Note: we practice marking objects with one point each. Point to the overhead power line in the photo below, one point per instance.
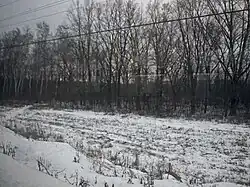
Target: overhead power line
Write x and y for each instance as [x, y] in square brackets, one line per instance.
[7, 4]
[127, 27]
[46, 6]
[45, 16]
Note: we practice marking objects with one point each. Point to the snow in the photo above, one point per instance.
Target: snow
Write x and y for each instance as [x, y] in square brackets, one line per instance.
[222, 184]
[14, 174]
[61, 155]
[210, 152]
[10, 114]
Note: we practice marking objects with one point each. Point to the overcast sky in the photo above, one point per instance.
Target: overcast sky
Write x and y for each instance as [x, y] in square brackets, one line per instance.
[19, 6]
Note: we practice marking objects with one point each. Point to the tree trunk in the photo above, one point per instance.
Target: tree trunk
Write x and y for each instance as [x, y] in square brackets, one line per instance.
[206, 97]
[46, 86]
[15, 86]
[158, 87]
[19, 84]
[118, 88]
[174, 95]
[30, 81]
[138, 87]
[110, 95]
[4, 87]
[233, 100]
[233, 106]
[193, 103]
[37, 88]
[41, 87]
[193, 96]
[161, 88]
[10, 87]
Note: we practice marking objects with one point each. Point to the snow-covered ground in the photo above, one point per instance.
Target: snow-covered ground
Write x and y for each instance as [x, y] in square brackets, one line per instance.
[205, 152]
[14, 174]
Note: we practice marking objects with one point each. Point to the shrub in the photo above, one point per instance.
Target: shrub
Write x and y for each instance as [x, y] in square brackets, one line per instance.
[77, 158]
[44, 166]
[8, 149]
[59, 138]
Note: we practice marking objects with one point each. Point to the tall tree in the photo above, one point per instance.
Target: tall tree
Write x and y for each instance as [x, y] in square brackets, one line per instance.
[232, 54]
[192, 43]
[42, 57]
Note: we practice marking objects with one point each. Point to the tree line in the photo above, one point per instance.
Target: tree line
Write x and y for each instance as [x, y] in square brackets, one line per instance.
[118, 61]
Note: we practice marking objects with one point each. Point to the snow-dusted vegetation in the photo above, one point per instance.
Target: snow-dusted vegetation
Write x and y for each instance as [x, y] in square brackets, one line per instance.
[83, 147]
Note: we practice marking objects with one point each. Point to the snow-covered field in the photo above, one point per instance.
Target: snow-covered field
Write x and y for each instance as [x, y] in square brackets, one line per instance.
[118, 147]
[14, 174]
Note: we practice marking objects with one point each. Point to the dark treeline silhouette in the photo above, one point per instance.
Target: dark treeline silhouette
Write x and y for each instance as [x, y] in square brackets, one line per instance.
[199, 64]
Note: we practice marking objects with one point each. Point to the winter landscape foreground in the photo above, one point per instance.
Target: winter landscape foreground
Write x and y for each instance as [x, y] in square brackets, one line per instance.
[45, 147]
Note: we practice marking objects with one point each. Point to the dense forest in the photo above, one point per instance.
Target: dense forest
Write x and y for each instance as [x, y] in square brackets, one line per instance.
[161, 58]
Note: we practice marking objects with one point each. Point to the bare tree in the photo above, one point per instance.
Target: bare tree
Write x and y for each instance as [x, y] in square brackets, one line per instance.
[106, 20]
[42, 57]
[138, 46]
[14, 60]
[232, 48]
[192, 41]
[111, 62]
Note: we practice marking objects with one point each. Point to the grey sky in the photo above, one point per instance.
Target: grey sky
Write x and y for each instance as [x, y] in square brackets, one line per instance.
[23, 5]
